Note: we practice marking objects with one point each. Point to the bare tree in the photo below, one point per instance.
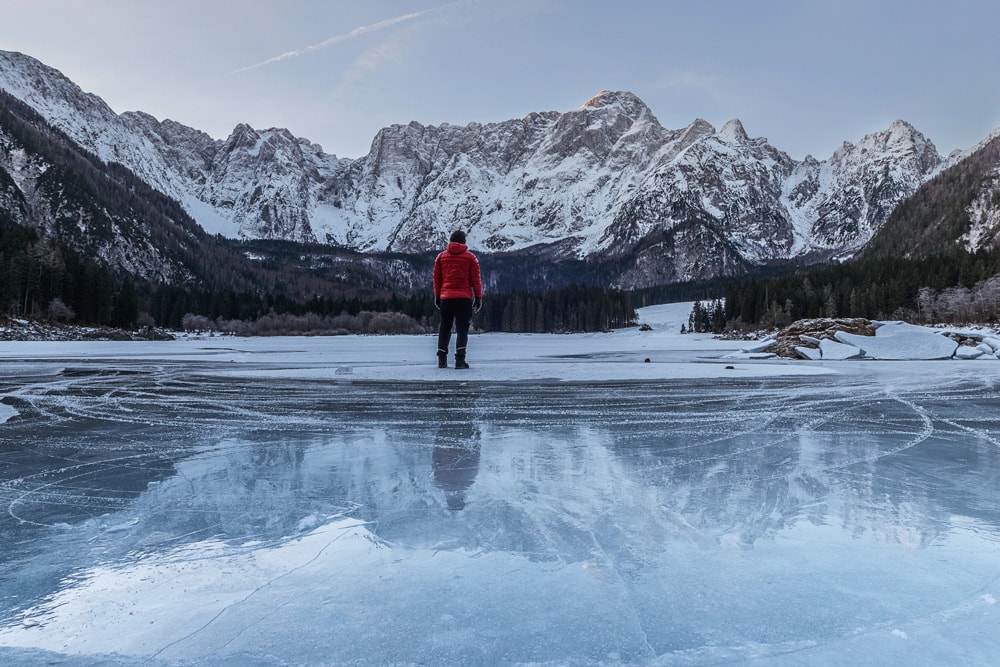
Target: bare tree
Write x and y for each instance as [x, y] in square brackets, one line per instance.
[58, 311]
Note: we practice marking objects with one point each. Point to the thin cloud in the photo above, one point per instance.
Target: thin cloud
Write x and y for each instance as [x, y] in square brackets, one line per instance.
[372, 60]
[337, 39]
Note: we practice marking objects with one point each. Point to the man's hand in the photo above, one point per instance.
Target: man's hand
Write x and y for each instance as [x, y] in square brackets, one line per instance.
[437, 302]
[477, 304]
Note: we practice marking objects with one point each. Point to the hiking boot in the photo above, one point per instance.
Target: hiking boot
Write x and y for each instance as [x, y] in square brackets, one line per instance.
[461, 364]
[442, 360]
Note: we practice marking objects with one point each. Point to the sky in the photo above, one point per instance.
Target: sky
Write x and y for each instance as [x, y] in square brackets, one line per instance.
[807, 75]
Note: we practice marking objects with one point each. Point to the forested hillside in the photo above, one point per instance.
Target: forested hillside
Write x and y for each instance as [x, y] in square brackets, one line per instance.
[934, 220]
[79, 234]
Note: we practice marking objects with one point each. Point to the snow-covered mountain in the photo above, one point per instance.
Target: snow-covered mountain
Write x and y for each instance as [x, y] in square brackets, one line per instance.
[71, 198]
[606, 180]
[958, 208]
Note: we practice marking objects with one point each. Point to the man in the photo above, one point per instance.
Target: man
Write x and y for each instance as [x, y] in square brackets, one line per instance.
[458, 292]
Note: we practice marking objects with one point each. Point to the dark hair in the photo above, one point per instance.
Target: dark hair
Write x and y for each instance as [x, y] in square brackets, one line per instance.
[458, 236]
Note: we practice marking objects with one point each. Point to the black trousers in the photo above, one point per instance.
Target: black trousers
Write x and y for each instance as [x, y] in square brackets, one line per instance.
[457, 312]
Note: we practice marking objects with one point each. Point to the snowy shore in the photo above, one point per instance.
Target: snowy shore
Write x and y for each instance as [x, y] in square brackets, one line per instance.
[656, 351]
[615, 356]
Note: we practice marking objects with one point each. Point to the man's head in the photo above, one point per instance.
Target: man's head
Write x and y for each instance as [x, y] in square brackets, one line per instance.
[457, 236]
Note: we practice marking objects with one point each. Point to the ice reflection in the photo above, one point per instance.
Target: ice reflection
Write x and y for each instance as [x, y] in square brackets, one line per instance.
[456, 460]
[607, 523]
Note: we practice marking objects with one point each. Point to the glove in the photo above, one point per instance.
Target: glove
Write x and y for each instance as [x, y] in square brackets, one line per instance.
[437, 302]
[477, 304]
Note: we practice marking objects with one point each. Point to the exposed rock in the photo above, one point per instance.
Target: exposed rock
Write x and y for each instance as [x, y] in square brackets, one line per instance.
[152, 333]
[839, 339]
[808, 333]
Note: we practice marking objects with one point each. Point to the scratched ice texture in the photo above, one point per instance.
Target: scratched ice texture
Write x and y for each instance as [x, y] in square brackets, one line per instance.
[162, 513]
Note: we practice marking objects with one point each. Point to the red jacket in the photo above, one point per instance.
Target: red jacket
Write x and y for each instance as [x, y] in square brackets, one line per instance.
[456, 273]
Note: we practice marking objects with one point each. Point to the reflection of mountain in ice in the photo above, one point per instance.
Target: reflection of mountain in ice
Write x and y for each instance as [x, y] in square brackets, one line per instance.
[157, 514]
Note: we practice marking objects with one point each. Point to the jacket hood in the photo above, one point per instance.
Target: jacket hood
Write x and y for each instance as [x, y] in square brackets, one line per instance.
[457, 248]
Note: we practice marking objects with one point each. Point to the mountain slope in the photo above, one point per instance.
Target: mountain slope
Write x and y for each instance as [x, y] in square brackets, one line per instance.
[101, 210]
[957, 210]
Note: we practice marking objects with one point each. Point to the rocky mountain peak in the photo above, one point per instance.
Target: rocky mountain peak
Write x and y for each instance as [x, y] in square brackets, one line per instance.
[733, 130]
[39, 85]
[243, 135]
[698, 129]
[899, 143]
[621, 101]
[60, 101]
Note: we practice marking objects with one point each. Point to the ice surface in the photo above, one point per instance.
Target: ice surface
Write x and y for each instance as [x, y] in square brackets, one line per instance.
[965, 352]
[343, 501]
[811, 353]
[832, 350]
[759, 346]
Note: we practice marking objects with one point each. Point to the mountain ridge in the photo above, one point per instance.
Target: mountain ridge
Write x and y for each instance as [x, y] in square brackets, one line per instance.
[605, 181]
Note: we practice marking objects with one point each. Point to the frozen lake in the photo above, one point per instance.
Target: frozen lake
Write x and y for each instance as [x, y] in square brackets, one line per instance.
[341, 501]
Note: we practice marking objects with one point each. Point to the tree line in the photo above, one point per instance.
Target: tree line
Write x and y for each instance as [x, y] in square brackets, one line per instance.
[946, 288]
[46, 279]
[42, 279]
[706, 318]
[568, 309]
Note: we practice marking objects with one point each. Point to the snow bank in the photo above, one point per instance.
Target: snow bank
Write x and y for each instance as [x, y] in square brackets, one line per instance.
[810, 353]
[758, 347]
[965, 352]
[900, 341]
[830, 339]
